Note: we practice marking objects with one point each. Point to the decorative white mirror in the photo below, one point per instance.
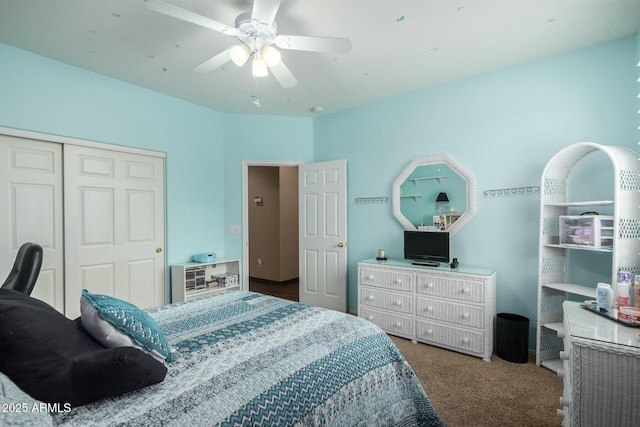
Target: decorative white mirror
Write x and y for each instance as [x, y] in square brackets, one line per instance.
[434, 191]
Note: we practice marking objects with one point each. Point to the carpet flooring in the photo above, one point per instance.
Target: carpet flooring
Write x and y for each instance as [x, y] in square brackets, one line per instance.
[466, 391]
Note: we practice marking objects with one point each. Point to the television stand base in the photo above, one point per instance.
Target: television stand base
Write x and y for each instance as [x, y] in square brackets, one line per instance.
[427, 263]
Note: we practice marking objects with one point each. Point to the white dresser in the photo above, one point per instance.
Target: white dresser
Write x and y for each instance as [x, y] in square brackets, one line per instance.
[601, 370]
[450, 308]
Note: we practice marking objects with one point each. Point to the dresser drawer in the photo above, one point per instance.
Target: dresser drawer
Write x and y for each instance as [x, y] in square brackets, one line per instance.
[457, 313]
[387, 278]
[456, 288]
[459, 339]
[391, 323]
[402, 303]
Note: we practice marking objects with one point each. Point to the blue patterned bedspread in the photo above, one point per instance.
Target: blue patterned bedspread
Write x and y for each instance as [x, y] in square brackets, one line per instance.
[246, 359]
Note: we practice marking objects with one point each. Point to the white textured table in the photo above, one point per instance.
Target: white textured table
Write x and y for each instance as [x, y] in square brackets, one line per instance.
[601, 370]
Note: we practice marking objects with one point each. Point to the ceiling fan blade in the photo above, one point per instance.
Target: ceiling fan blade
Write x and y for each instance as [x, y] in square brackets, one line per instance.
[314, 44]
[283, 75]
[186, 15]
[215, 62]
[265, 10]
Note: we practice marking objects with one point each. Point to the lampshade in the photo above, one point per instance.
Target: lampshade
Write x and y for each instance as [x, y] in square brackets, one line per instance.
[240, 54]
[259, 67]
[442, 197]
[271, 55]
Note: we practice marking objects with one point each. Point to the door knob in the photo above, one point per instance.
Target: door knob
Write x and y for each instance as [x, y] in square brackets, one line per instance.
[341, 245]
[158, 250]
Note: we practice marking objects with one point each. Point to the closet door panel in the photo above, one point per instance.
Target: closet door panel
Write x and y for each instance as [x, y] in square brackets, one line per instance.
[114, 226]
[98, 278]
[33, 213]
[97, 210]
[31, 210]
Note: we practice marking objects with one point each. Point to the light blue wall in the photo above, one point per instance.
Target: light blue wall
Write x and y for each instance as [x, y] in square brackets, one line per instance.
[503, 127]
[42, 95]
[251, 137]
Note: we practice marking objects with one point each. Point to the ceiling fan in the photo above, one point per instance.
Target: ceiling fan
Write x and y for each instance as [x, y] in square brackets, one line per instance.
[258, 33]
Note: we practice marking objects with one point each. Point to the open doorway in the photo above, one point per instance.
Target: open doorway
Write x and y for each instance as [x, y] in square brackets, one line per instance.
[270, 224]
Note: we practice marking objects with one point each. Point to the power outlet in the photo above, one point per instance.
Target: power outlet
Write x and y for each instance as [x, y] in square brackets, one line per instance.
[234, 229]
[259, 262]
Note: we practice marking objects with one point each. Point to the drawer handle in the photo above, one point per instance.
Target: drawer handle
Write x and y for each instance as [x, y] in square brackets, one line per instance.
[398, 302]
[465, 340]
[398, 281]
[429, 285]
[370, 277]
[429, 308]
[370, 318]
[370, 297]
[429, 332]
[465, 315]
[465, 290]
[398, 325]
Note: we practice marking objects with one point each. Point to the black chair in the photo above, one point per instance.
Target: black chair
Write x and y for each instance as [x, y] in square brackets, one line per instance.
[26, 269]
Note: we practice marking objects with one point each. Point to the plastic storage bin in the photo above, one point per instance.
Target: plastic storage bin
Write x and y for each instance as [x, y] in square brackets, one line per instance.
[512, 331]
[586, 230]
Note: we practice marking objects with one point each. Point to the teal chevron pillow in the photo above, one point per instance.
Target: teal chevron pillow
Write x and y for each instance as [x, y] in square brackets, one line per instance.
[122, 317]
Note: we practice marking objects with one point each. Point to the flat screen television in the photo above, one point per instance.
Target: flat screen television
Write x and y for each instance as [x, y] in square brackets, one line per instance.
[426, 247]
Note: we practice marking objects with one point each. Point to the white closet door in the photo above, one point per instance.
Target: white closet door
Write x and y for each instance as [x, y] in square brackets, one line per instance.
[114, 226]
[31, 210]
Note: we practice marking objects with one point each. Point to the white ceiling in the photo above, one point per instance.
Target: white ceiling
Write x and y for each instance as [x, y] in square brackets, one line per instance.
[398, 45]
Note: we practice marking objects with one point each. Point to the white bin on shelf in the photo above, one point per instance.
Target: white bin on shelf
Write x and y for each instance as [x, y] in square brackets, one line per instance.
[586, 230]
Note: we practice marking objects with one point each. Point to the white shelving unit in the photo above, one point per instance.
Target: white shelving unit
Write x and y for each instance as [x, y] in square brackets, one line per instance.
[195, 279]
[553, 288]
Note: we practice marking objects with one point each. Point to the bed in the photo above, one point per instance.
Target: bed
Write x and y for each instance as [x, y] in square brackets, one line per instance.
[243, 358]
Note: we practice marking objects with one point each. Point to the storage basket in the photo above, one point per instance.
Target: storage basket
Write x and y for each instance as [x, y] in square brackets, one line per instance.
[227, 279]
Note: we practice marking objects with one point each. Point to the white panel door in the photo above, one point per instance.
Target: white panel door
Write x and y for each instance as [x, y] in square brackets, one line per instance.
[31, 210]
[114, 226]
[323, 232]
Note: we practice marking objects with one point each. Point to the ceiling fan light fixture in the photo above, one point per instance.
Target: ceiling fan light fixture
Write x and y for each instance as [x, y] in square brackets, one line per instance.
[259, 67]
[240, 54]
[271, 55]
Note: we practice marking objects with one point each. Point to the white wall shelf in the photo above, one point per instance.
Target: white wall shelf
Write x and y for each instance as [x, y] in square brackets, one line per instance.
[415, 197]
[424, 178]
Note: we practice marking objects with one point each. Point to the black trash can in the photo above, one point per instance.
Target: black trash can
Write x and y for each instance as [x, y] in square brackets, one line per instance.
[512, 342]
